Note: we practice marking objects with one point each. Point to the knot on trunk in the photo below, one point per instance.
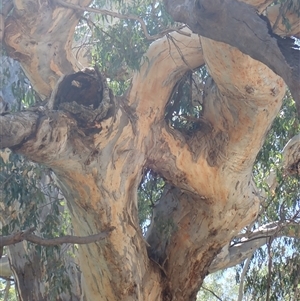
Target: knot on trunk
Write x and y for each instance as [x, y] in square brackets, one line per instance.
[86, 96]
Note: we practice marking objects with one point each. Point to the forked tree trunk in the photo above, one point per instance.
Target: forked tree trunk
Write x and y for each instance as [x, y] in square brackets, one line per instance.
[210, 196]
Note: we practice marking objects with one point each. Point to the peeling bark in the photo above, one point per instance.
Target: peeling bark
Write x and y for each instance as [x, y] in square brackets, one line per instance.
[34, 36]
[210, 196]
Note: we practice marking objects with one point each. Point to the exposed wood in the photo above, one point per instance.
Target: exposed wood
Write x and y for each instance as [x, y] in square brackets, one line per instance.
[34, 36]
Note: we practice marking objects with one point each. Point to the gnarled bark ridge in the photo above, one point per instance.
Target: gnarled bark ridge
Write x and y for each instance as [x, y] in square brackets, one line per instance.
[99, 164]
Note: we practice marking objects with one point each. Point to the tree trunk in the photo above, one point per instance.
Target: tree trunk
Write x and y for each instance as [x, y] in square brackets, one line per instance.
[30, 271]
[210, 196]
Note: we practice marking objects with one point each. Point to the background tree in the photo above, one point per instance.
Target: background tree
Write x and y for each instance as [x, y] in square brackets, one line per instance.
[150, 129]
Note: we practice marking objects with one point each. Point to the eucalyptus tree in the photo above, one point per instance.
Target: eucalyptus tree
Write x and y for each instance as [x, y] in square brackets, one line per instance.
[181, 92]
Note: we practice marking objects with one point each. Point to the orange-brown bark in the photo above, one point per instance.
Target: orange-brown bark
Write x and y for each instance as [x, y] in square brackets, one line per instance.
[210, 196]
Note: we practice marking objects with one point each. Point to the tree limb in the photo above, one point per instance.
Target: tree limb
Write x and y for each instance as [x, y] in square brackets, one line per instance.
[212, 292]
[15, 238]
[231, 256]
[7, 287]
[291, 156]
[253, 35]
[68, 239]
[241, 286]
[27, 37]
[5, 271]
[16, 128]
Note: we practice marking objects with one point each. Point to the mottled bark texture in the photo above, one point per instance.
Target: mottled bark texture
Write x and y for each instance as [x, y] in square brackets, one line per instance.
[99, 163]
[238, 24]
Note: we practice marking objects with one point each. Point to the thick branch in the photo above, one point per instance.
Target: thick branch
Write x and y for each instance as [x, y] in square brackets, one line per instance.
[5, 271]
[15, 238]
[231, 256]
[68, 239]
[35, 135]
[17, 128]
[217, 20]
[39, 35]
[167, 61]
[181, 222]
[236, 114]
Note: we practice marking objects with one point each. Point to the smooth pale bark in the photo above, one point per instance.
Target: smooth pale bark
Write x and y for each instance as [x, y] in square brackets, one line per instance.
[5, 270]
[232, 255]
[211, 196]
[291, 156]
[28, 271]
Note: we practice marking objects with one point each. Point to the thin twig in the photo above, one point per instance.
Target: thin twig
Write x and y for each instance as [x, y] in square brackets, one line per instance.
[207, 289]
[124, 17]
[6, 278]
[179, 51]
[68, 239]
[7, 287]
[282, 9]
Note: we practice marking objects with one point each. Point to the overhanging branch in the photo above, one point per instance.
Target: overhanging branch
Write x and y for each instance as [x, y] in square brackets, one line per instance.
[253, 35]
[231, 256]
[16, 128]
